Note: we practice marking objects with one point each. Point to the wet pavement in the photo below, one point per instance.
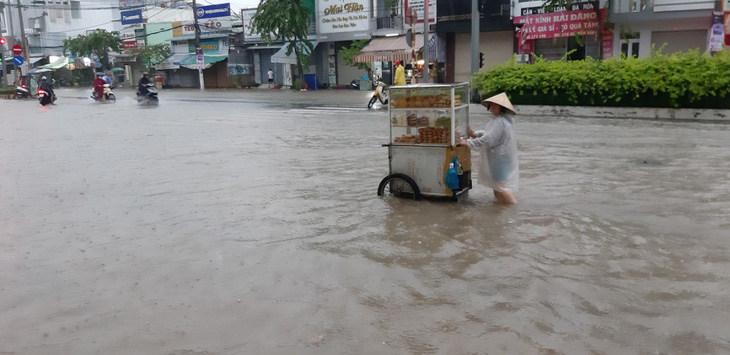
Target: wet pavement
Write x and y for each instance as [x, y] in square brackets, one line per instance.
[247, 222]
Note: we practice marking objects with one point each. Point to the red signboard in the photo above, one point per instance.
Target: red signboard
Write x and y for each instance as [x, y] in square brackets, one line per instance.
[130, 44]
[17, 49]
[559, 24]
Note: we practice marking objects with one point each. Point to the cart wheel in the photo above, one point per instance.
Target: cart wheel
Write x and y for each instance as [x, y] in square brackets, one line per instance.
[399, 185]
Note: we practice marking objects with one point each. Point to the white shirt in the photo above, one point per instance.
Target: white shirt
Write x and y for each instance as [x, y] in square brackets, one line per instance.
[270, 74]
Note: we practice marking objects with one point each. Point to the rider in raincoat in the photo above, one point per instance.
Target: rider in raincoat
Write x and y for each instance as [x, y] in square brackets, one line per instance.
[497, 146]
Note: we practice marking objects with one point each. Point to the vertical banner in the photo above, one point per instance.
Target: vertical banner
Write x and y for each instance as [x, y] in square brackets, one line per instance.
[717, 32]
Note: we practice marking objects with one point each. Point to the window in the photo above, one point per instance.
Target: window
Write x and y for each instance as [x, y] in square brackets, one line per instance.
[75, 10]
[630, 44]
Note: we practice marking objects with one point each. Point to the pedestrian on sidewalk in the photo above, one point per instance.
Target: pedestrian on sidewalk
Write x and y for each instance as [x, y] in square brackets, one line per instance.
[497, 146]
[270, 75]
[400, 74]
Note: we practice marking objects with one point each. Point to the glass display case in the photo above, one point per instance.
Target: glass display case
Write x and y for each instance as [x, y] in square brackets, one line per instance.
[428, 113]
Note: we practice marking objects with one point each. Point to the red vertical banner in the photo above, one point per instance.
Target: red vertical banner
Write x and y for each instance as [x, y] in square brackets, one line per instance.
[607, 43]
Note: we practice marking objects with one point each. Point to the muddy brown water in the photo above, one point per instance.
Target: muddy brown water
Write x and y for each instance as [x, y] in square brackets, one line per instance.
[202, 227]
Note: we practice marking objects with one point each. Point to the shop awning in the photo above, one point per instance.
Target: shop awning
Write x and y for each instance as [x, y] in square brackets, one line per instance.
[388, 49]
[190, 61]
[58, 64]
[170, 63]
[38, 71]
[281, 57]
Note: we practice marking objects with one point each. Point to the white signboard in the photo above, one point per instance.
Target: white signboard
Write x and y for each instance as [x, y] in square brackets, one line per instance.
[210, 27]
[343, 16]
[420, 5]
[248, 35]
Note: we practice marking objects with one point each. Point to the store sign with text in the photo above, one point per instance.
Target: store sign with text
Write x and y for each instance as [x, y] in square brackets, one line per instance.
[208, 27]
[210, 45]
[131, 17]
[560, 24]
[341, 16]
[420, 6]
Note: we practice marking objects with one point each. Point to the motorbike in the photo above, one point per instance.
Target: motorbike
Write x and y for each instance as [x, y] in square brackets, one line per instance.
[150, 97]
[22, 92]
[380, 93]
[107, 95]
[355, 84]
[45, 97]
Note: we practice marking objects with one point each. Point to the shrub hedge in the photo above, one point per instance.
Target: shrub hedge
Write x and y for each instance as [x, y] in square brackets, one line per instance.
[684, 79]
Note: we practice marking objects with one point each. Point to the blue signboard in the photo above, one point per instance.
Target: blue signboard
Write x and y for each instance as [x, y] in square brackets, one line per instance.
[131, 17]
[220, 10]
[18, 60]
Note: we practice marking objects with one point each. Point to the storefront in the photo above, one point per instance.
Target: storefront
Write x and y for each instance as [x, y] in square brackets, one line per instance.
[337, 26]
[579, 33]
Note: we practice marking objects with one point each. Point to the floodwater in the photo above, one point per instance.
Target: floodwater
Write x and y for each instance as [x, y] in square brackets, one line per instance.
[237, 227]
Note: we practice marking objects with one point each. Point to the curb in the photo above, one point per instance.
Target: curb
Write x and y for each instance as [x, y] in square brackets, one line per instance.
[7, 96]
[646, 113]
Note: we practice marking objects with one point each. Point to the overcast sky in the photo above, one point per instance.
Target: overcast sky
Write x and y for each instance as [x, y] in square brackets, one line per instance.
[239, 4]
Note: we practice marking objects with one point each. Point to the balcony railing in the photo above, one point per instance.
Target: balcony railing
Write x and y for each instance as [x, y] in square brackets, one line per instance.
[394, 22]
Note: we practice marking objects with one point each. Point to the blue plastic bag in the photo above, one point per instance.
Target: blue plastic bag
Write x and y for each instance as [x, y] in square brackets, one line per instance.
[452, 175]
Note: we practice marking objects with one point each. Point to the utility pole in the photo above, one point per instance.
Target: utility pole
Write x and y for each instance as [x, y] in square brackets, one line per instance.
[414, 63]
[426, 47]
[198, 50]
[474, 43]
[26, 49]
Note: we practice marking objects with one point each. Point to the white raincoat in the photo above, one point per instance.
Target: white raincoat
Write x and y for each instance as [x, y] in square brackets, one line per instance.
[498, 166]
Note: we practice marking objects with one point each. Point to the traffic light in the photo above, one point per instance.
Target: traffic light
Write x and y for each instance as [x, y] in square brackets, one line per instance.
[2, 41]
[481, 59]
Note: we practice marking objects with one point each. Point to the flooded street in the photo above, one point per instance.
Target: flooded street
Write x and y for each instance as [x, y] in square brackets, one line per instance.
[251, 225]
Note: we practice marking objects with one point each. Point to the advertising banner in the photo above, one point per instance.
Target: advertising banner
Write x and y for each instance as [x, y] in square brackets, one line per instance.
[213, 11]
[211, 46]
[560, 24]
[420, 5]
[716, 38]
[343, 16]
[131, 17]
[248, 35]
[213, 27]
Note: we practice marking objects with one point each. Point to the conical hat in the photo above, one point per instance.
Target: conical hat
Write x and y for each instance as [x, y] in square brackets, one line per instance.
[501, 100]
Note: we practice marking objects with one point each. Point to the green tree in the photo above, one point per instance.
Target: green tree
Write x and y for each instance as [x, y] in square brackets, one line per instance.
[286, 20]
[99, 43]
[553, 5]
[348, 54]
[151, 54]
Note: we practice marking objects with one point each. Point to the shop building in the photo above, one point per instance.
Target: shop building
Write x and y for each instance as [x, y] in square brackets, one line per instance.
[496, 36]
[256, 56]
[676, 26]
[579, 30]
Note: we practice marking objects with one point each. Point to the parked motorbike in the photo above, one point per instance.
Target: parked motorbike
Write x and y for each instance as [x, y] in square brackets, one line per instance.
[106, 96]
[45, 97]
[355, 84]
[150, 97]
[380, 93]
[22, 92]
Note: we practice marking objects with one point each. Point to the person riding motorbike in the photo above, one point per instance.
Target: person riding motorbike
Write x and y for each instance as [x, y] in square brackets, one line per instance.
[46, 86]
[143, 82]
[99, 86]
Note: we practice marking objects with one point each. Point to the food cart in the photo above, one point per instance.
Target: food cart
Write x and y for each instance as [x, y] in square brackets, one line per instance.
[426, 123]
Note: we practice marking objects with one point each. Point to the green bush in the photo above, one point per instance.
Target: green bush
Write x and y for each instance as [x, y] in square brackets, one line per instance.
[684, 79]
